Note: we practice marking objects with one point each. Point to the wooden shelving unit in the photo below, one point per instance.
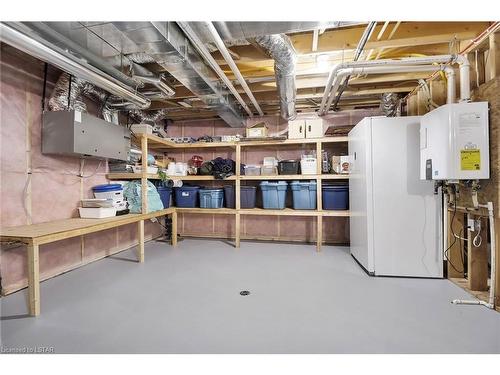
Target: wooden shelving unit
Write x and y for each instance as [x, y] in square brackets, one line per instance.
[151, 142]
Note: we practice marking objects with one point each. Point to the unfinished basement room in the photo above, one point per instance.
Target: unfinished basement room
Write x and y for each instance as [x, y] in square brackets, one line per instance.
[232, 183]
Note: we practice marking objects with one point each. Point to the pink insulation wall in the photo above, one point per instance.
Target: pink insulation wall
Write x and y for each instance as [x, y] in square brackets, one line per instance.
[54, 189]
[335, 230]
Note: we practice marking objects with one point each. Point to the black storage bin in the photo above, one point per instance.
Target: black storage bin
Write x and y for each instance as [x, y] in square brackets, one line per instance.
[247, 196]
[289, 167]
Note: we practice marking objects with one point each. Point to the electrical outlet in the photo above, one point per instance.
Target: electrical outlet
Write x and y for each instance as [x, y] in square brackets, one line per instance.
[477, 224]
[471, 224]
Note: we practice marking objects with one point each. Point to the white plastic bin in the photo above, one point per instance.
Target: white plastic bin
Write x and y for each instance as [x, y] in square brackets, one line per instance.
[97, 212]
[308, 165]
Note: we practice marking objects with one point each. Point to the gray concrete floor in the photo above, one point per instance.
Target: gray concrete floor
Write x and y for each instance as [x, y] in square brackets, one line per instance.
[186, 300]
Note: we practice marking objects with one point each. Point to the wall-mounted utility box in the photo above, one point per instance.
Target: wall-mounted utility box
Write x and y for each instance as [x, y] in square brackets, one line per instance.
[454, 142]
[305, 128]
[76, 133]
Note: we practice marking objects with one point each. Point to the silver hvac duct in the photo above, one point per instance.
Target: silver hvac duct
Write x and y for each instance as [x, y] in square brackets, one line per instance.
[158, 82]
[167, 44]
[29, 43]
[280, 48]
[149, 117]
[69, 91]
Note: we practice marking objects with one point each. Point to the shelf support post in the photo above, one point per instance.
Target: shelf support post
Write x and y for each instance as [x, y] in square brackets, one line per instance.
[144, 174]
[237, 195]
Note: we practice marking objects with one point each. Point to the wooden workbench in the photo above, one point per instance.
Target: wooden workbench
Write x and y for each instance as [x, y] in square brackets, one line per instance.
[38, 234]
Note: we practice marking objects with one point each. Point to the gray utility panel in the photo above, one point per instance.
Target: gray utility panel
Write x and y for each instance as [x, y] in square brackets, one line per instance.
[77, 133]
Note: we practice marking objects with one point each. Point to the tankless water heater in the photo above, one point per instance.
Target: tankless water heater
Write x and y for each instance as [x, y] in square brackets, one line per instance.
[454, 142]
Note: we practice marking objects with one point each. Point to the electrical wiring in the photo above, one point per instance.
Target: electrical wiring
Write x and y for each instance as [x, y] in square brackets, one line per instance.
[454, 241]
[478, 239]
[45, 168]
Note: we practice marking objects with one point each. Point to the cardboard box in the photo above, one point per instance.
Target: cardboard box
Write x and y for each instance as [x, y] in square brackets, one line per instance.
[341, 164]
[258, 130]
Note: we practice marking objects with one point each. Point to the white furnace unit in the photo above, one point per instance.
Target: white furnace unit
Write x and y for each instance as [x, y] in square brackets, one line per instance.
[454, 142]
[395, 221]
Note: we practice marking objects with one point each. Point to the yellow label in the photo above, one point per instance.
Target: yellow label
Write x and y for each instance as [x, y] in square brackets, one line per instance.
[470, 160]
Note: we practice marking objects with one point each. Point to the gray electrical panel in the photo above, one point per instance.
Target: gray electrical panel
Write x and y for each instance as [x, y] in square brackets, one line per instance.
[76, 133]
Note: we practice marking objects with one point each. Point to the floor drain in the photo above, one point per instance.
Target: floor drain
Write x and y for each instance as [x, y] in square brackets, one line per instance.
[244, 293]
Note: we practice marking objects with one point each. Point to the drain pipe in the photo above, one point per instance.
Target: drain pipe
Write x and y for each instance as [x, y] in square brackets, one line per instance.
[329, 93]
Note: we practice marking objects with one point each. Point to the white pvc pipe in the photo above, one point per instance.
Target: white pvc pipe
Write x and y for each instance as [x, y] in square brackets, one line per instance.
[331, 87]
[438, 59]
[383, 68]
[491, 216]
[463, 61]
[491, 301]
[227, 56]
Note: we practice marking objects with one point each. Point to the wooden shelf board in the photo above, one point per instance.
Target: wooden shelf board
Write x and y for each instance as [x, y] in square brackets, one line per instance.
[280, 177]
[219, 211]
[293, 141]
[130, 176]
[138, 176]
[66, 228]
[284, 212]
[336, 213]
[297, 177]
[334, 177]
[158, 143]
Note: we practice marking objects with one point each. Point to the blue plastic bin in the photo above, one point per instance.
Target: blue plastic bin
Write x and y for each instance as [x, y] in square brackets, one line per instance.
[304, 195]
[165, 194]
[247, 196]
[273, 194]
[335, 197]
[186, 196]
[211, 198]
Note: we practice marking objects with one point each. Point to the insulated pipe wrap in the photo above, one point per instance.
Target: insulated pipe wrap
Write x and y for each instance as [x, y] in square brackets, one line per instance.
[280, 48]
[151, 117]
[62, 98]
[79, 88]
[389, 104]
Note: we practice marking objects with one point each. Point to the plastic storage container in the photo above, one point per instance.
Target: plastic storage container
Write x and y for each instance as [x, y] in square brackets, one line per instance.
[96, 212]
[269, 170]
[247, 196]
[186, 196]
[335, 197]
[109, 191]
[211, 198]
[165, 195]
[304, 195]
[273, 194]
[252, 170]
[288, 167]
[308, 165]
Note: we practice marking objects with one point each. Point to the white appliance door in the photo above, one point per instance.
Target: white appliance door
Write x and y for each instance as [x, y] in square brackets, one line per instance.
[360, 201]
[406, 214]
